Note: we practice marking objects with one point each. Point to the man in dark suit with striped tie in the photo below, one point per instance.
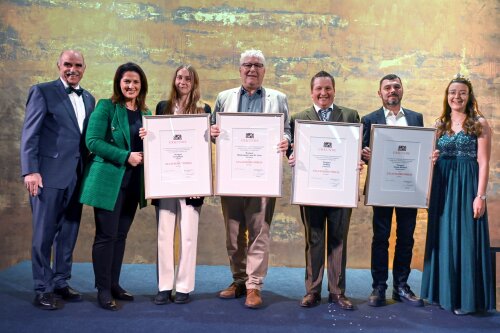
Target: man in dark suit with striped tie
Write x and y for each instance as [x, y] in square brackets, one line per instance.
[320, 221]
[52, 159]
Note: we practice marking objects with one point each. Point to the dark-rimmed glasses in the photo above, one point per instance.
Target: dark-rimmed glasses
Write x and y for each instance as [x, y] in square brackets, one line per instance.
[249, 65]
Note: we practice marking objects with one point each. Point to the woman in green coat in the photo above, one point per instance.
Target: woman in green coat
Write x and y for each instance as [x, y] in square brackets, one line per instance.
[114, 180]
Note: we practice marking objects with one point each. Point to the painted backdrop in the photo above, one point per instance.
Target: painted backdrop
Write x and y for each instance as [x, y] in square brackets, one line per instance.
[358, 41]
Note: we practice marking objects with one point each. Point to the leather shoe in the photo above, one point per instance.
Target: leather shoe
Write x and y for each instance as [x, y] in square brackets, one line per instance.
[341, 300]
[235, 290]
[181, 298]
[377, 298]
[45, 301]
[405, 295]
[310, 300]
[121, 294]
[106, 301]
[163, 297]
[68, 294]
[253, 301]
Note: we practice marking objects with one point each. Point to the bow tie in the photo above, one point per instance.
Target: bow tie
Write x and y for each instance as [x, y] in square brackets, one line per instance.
[78, 91]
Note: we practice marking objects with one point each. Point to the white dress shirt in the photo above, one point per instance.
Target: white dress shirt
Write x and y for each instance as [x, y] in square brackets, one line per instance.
[395, 120]
[78, 105]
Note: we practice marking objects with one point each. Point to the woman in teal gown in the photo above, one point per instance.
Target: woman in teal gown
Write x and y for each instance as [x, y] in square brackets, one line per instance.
[457, 264]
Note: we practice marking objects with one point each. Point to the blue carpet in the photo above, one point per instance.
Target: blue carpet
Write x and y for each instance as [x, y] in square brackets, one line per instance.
[283, 289]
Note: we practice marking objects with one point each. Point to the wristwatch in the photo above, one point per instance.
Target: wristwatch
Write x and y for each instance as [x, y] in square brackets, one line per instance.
[482, 197]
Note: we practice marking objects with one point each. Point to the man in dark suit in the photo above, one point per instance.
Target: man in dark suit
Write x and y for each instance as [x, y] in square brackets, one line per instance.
[391, 113]
[318, 221]
[52, 159]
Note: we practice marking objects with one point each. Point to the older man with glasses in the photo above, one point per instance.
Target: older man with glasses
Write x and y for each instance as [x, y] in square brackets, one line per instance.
[248, 219]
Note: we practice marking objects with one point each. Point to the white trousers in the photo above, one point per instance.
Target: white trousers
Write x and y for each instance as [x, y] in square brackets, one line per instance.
[171, 213]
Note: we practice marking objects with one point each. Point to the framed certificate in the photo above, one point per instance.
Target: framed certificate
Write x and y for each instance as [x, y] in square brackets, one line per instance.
[326, 171]
[248, 162]
[400, 167]
[177, 156]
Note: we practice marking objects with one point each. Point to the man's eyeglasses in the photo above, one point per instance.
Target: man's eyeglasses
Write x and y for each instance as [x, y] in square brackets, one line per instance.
[249, 65]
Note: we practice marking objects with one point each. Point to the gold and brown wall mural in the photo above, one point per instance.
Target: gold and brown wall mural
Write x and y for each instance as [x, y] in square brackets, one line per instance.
[357, 41]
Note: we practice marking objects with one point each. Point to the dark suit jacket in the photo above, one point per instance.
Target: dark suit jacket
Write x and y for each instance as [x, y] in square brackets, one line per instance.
[161, 109]
[377, 117]
[338, 114]
[51, 142]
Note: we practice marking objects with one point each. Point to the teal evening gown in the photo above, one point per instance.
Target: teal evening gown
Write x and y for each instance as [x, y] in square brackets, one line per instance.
[457, 262]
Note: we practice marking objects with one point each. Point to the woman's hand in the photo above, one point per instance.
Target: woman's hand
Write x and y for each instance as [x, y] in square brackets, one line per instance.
[361, 165]
[135, 158]
[435, 156]
[142, 133]
[478, 207]
[283, 146]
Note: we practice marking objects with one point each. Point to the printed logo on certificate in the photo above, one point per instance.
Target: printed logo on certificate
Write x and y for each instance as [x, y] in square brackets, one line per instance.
[327, 165]
[248, 154]
[400, 165]
[178, 156]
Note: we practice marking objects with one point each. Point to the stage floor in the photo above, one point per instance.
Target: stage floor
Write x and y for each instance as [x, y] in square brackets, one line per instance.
[281, 312]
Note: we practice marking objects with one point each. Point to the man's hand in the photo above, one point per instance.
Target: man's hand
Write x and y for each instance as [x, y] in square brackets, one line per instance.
[32, 182]
[366, 153]
[214, 131]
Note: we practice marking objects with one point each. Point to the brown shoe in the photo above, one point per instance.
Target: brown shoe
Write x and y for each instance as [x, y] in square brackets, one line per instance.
[254, 301]
[341, 300]
[235, 290]
[310, 300]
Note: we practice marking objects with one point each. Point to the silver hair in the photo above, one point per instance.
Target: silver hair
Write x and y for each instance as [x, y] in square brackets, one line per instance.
[253, 53]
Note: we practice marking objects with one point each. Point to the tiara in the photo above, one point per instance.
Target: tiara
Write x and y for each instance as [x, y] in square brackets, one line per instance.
[459, 78]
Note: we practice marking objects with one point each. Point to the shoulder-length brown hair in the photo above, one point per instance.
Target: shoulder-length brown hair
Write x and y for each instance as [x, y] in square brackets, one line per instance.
[472, 114]
[118, 96]
[193, 105]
